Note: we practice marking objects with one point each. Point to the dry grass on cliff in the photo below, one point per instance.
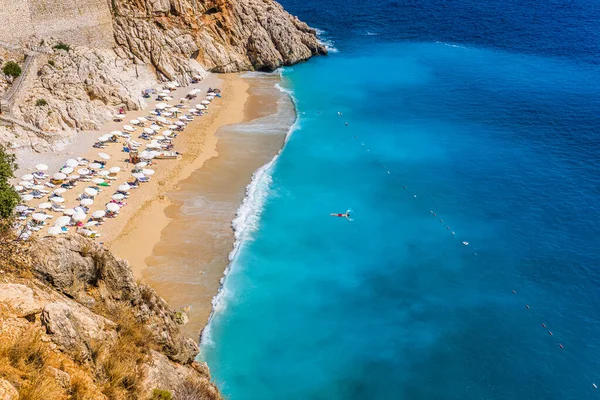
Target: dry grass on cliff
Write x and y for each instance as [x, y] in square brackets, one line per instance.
[118, 368]
[15, 257]
[24, 361]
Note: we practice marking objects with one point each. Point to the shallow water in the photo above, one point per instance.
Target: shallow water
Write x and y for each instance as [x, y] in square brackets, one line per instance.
[496, 133]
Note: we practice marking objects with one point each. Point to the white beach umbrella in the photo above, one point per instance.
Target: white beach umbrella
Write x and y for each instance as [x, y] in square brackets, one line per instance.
[159, 137]
[162, 119]
[173, 126]
[179, 123]
[154, 153]
[149, 131]
[128, 128]
[27, 177]
[74, 177]
[134, 121]
[200, 106]
[91, 192]
[21, 208]
[79, 216]
[161, 106]
[27, 197]
[205, 102]
[60, 191]
[69, 211]
[98, 214]
[55, 230]
[104, 156]
[39, 217]
[173, 110]
[98, 181]
[155, 127]
[148, 172]
[114, 170]
[86, 202]
[103, 139]
[62, 221]
[45, 206]
[91, 223]
[153, 113]
[95, 165]
[153, 146]
[67, 170]
[41, 167]
[145, 155]
[118, 197]
[124, 188]
[142, 119]
[27, 185]
[19, 188]
[113, 207]
[167, 132]
[138, 175]
[37, 187]
[72, 163]
[103, 173]
[83, 171]
[57, 200]
[141, 164]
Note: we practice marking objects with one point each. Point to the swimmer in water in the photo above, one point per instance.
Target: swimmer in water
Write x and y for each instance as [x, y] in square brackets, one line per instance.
[561, 346]
[346, 124]
[344, 215]
[514, 292]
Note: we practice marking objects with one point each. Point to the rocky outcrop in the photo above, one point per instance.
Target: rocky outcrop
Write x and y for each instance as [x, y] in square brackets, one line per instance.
[84, 305]
[8, 391]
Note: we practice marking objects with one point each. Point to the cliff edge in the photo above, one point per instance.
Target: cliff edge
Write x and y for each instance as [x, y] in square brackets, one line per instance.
[75, 324]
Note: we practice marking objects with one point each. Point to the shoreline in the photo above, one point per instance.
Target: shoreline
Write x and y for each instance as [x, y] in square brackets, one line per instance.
[142, 230]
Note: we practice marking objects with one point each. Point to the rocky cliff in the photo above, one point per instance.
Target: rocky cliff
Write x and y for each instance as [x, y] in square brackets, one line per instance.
[73, 322]
[147, 41]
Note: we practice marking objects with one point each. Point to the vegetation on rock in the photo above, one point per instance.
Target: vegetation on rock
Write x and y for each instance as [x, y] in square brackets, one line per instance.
[11, 69]
[62, 46]
[8, 196]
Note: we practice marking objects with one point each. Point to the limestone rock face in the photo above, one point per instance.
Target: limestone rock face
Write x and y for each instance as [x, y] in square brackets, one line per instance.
[19, 299]
[221, 35]
[75, 328]
[8, 391]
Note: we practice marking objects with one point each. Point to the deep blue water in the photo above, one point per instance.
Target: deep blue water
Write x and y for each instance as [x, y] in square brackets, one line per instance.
[488, 112]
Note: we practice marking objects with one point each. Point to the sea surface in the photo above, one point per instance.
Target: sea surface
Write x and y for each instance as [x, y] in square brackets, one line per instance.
[471, 163]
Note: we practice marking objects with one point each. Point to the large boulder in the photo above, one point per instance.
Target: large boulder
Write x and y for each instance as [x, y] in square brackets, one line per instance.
[19, 299]
[8, 391]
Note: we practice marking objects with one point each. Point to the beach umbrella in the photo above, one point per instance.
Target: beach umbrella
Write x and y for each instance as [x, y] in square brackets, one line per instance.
[21, 208]
[55, 230]
[179, 123]
[45, 206]
[104, 156]
[71, 163]
[138, 175]
[98, 181]
[141, 164]
[27, 197]
[153, 146]
[153, 113]
[162, 119]
[173, 126]
[67, 170]
[39, 217]
[167, 132]
[74, 177]
[99, 214]
[19, 188]
[148, 172]
[37, 187]
[103, 139]
[79, 216]
[83, 171]
[149, 131]
[200, 106]
[205, 102]
[57, 199]
[145, 155]
[41, 167]
[134, 121]
[103, 173]
[159, 137]
[128, 128]
[86, 202]
[90, 192]
[155, 127]
[95, 165]
[173, 109]
[161, 106]
[25, 184]
[91, 223]
[113, 207]
[27, 177]
[114, 170]
[60, 191]
[69, 211]
[118, 197]
[142, 119]
[124, 188]
[62, 221]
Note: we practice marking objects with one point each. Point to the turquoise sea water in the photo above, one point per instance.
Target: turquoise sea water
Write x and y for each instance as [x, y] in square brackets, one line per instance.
[494, 130]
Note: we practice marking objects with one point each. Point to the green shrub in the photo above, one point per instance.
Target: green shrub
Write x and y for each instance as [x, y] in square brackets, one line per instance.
[62, 46]
[11, 68]
[41, 103]
[9, 198]
[158, 394]
[51, 62]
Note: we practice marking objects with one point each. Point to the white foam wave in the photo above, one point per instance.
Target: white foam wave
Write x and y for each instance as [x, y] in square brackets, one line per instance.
[371, 34]
[245, 223]
[328, 43]
[451, 45]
